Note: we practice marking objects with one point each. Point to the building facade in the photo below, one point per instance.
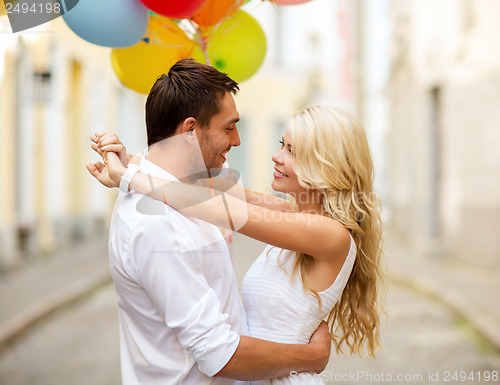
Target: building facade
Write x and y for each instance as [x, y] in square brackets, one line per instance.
[311, 59]
[443, 141]
[56, 90]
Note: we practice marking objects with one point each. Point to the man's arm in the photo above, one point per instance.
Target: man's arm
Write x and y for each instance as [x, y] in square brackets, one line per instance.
[256, 359]
[177, 285]
[226, 181]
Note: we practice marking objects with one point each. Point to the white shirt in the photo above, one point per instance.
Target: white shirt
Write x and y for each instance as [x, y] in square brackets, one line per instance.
[179, 310]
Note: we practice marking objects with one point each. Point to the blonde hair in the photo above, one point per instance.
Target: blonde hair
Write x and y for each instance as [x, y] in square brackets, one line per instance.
[332, 157]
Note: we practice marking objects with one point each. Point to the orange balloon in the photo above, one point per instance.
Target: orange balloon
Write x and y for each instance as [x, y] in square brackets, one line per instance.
[163, 30]
[214, 11]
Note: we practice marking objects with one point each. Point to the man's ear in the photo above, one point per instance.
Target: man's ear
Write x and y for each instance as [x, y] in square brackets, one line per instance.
[188, 125]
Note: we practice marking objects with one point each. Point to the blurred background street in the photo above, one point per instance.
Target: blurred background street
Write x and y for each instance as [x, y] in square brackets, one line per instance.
[422, 76]
[423, 340]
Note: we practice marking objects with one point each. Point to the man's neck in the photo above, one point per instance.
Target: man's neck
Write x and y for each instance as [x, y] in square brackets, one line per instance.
[170, 160]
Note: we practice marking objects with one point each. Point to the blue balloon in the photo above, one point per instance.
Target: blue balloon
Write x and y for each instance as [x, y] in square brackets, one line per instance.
[109, 23]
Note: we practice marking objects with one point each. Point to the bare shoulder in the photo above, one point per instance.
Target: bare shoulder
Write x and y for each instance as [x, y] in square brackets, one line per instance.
[336, 241]
[331, 255]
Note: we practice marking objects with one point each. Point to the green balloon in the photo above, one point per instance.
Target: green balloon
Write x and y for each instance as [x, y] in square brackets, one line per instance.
[237, 47]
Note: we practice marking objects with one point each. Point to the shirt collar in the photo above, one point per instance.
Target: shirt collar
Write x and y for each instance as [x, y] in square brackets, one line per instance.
[149, 168]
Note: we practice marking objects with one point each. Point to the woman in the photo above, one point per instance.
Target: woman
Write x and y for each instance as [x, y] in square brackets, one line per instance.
[323, 258]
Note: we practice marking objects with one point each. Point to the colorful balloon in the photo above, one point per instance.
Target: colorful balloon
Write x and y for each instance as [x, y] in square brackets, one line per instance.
[176, 9]
[237, 47]
[214, 11]
[138, 66]
[110, 23]
[289, 2]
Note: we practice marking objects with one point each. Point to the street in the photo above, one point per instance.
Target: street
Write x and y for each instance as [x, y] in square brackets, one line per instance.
[424, 343]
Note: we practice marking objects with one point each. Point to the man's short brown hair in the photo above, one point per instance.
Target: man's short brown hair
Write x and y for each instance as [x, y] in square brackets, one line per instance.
[189, 89]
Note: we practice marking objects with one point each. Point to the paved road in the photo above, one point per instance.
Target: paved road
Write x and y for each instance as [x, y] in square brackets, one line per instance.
[424, 343]
[77, 345]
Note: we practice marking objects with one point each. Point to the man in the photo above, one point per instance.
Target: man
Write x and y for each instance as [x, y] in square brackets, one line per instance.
[181, 319]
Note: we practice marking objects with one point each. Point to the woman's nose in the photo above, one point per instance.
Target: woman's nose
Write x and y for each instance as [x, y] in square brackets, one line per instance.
[278, 157]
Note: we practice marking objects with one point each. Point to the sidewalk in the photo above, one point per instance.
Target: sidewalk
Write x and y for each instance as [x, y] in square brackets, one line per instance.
[471, 292]
[38, 290]
[43, 286]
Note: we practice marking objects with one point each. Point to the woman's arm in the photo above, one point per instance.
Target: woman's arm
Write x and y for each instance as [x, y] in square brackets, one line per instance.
[313, 234]
[227, 182]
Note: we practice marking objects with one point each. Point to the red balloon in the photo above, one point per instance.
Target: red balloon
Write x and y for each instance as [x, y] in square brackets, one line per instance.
[174, 9]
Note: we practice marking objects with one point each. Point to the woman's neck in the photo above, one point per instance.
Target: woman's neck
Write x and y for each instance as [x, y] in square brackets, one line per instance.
[309, 202]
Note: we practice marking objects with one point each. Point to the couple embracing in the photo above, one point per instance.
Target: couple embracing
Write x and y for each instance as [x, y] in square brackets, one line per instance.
[180, 314]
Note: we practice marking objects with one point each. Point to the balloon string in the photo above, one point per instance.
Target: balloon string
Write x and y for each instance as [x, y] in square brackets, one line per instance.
[200, 36]
[205, 39]
[200, 39]
[258, 5]
[235, 7]
[204, 43]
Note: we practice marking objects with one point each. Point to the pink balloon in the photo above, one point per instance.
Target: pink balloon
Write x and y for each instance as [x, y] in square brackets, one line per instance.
[289, 2]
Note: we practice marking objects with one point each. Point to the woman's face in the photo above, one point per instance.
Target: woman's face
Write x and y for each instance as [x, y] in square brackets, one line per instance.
[285, 180]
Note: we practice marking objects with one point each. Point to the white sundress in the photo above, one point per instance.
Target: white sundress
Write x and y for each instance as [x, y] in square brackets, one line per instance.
[279, 309]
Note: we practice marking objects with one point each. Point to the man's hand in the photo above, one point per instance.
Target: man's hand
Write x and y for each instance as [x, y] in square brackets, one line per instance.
[108, 174]
[322, 341]
[108, 141]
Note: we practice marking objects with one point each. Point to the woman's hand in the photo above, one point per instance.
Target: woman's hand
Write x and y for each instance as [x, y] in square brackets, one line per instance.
[108, 141]
[110, 173]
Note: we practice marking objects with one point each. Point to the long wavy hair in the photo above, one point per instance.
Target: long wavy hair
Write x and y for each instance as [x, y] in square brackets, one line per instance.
[332, 156]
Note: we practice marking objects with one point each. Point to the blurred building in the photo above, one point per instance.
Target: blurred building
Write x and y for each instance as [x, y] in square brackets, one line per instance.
[311, 59]
[55, 91]
[443, 144]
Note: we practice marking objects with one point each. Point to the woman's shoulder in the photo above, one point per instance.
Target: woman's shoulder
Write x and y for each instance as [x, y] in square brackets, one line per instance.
[338, 242]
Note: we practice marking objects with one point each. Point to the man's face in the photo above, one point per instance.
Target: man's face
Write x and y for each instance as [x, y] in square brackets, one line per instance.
[221, 134]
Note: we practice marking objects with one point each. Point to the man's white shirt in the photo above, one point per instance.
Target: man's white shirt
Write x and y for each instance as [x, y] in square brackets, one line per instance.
[179, 310]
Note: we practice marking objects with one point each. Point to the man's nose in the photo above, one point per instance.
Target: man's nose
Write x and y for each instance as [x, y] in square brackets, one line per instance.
[235, 140]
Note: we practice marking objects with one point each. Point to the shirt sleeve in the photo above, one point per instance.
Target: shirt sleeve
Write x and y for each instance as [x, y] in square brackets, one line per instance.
[178, 287]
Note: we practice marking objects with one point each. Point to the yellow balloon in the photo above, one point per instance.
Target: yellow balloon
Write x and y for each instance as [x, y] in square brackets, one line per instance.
[237, 47]
[139, 66]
